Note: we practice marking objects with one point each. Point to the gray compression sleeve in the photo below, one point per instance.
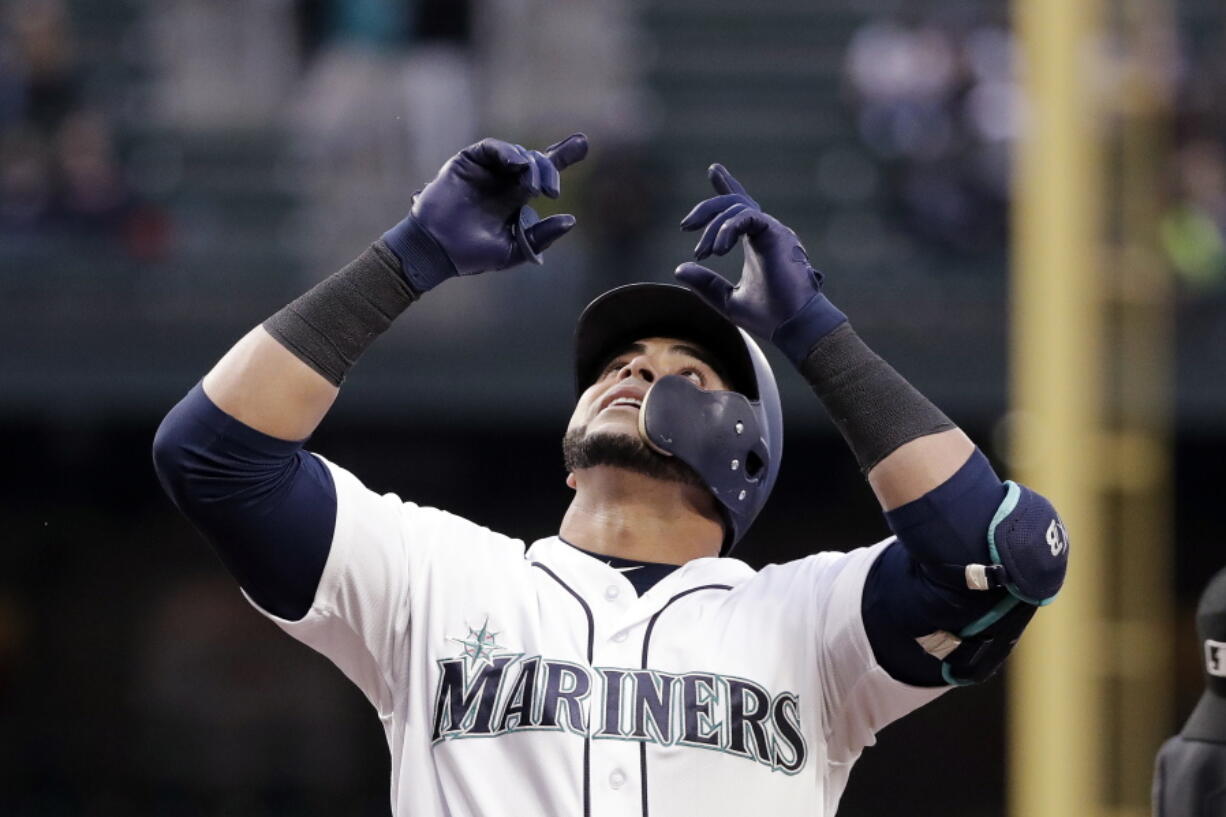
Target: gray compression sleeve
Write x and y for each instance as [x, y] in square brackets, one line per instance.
[330, 326]
[874, 407]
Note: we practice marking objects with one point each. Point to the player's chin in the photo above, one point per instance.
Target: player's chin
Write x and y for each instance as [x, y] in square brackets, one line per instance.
[602, 444]
[584, 447]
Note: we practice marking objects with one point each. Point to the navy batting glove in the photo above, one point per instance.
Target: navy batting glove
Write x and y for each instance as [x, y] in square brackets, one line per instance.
[474, 216]
[779, 296]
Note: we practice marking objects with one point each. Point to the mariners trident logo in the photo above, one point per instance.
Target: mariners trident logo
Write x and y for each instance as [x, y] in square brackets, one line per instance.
[479, 645]
[487, 691]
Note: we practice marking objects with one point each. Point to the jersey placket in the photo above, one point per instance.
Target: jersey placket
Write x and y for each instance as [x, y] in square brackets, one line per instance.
[620, 623]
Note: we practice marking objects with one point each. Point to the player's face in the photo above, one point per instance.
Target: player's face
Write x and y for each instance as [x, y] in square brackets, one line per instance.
[611, 404]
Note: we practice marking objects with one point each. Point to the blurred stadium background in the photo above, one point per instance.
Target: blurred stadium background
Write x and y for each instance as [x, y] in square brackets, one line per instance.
[173, 171]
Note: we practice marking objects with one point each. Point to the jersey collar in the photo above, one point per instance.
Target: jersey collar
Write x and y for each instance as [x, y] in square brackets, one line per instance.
[595, 579]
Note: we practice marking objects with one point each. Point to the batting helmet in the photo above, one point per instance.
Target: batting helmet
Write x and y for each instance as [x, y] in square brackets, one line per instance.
[732, 439]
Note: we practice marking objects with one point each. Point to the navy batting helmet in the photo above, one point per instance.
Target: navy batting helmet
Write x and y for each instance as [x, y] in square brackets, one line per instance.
[732, 439]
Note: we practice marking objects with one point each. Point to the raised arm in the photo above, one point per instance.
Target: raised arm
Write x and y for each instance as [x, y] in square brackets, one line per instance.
[282, 377]
[230, 453]
[975, 557]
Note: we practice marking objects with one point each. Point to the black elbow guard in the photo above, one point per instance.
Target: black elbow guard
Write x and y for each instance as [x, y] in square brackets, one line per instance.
[1028, 550]
[1029, 546]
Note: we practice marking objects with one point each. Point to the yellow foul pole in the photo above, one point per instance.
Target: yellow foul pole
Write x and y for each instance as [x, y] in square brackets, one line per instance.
[1056, 718]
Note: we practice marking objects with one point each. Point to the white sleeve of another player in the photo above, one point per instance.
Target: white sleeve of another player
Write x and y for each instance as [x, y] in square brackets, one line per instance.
[360, 616]
[859, 697]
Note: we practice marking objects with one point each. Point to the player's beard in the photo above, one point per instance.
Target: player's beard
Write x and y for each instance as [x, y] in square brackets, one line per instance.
[579, 450]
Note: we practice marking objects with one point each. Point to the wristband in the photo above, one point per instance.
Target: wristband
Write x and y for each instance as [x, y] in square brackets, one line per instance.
[329, 327]
[874, 407]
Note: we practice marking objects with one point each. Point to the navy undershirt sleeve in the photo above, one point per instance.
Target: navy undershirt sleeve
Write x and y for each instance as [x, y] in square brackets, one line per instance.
[949, 524]
[267, 506]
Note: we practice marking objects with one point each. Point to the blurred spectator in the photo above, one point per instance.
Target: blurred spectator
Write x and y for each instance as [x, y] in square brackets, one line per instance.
[221, 65]
[46, 59]
[937, 105]
[25, 179]
[551, 68]
[92, 194]
[1193, 227]
[39, 89]
[60, 170]
[387, 95]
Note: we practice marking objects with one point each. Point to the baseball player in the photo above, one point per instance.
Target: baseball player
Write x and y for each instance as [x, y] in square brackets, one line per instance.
[1190, 772]
[627, 665]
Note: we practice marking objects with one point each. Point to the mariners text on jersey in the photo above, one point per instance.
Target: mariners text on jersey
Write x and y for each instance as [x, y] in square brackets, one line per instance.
[498, 693]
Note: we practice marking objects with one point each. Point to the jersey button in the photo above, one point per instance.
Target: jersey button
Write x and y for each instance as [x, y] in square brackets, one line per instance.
[619, 636]
[611, 592]
[617, 779]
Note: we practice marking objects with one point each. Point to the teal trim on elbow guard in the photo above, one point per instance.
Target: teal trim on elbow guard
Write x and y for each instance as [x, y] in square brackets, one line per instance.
[983, 646]
[1028, 539]
[971, 631]
[989, 618]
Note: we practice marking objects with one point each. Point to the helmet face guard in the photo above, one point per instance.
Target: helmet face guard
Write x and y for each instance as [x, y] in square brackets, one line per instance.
[732, 439]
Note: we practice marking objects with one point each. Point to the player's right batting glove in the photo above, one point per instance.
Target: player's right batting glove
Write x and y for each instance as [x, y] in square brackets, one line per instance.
[779, 296]
[474, 216]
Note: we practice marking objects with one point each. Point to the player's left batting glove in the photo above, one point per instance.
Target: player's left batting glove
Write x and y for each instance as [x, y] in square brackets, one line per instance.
[474, 216]
[779, 296]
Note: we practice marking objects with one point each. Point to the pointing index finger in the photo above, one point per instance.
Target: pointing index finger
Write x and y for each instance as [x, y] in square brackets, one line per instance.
[570, 150]
[723, 182]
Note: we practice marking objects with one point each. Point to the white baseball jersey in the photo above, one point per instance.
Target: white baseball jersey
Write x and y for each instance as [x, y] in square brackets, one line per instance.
[514, 682]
